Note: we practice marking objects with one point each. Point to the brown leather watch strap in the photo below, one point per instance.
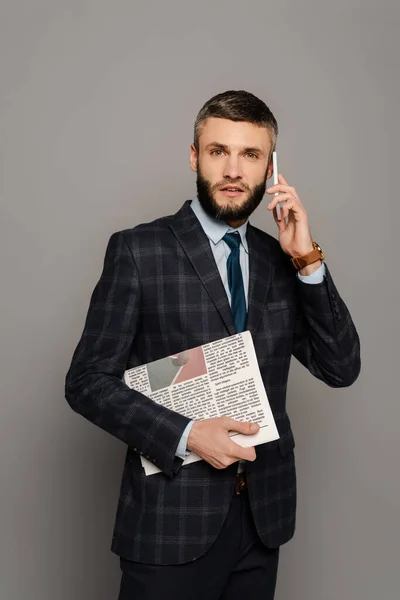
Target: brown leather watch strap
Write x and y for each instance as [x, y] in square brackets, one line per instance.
[300, 262]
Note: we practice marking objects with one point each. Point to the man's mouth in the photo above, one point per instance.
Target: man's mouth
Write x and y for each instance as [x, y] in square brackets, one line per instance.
[231, 191]
[231, 188]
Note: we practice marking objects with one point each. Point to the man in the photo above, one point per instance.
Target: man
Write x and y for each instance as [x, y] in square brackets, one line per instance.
[211, 529]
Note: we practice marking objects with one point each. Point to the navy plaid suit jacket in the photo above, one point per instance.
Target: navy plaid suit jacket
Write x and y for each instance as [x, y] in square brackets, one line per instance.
[160, 293]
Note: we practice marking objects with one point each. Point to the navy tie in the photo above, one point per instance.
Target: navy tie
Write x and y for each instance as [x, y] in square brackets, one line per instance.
[235, 281]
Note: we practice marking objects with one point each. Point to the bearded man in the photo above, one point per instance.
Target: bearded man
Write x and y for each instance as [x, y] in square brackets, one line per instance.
[211, 529]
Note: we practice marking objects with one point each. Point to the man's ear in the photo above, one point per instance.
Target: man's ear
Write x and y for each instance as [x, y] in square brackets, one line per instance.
[193, 158]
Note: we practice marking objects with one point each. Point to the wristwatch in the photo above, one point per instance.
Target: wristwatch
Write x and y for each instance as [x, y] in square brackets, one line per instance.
[299, 262]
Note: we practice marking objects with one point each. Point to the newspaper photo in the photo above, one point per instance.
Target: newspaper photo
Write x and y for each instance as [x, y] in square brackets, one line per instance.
[218, 379]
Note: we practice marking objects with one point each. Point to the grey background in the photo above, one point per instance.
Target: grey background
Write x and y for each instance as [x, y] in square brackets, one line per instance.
[97, 105]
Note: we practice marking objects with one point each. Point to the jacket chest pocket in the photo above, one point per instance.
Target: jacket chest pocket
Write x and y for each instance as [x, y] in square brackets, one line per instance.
[279, 322]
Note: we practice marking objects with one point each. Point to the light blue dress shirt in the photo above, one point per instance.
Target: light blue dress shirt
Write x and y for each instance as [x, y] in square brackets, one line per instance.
[215, 231]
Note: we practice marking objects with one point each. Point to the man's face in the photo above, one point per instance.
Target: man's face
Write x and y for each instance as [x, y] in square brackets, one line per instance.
[232, 167]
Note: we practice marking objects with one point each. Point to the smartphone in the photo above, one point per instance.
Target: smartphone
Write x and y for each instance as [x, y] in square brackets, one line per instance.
[275, 173]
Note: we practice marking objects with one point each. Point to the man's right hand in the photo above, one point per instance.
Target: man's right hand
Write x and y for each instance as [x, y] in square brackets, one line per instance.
[210, 440]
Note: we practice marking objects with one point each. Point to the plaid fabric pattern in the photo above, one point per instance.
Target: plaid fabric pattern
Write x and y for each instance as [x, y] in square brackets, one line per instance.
[160, 293]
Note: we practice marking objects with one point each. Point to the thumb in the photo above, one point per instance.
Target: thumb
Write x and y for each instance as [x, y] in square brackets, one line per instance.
[242, 427]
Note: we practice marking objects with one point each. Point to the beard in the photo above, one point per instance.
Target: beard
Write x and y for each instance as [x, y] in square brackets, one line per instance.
[229, 212]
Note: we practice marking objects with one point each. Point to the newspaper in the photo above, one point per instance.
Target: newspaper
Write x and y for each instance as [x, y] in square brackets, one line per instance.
[221, 378]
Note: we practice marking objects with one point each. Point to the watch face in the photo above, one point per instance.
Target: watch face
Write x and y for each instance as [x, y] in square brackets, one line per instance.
[318, 247]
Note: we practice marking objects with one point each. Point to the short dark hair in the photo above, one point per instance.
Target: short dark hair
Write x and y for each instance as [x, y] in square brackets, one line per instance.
[237, 105]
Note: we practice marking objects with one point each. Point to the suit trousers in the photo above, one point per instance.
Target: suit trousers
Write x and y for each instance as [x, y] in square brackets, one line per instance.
[236, 566]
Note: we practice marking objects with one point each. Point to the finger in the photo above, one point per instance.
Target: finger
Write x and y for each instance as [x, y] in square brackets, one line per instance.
[283, 199]
[221, 464]
[282, 185]
[292, 217]
[295, 208]
[284, 182]
[281, 179]
[278, 187]
[290, 207]
[240, 426]
[279, 198]
[243, 453]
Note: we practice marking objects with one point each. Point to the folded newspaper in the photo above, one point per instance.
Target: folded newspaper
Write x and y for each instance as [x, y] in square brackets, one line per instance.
[218, 379]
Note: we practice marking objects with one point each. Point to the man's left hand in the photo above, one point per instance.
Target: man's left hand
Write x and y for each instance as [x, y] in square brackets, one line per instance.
[294, 235]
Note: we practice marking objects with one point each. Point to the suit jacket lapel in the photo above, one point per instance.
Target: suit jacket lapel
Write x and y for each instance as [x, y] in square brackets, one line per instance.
[260, 277]
[196, 245]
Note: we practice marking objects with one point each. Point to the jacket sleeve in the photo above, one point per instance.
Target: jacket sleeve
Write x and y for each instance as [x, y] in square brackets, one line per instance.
[94, 386]
[326, 341]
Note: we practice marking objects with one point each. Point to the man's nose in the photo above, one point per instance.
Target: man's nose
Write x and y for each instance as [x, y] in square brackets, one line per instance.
[232, 168]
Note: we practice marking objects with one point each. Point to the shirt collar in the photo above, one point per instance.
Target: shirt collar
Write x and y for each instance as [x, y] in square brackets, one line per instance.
[214, 229]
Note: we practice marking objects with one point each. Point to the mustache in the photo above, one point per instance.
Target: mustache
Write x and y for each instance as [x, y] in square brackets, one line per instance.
[230, 183]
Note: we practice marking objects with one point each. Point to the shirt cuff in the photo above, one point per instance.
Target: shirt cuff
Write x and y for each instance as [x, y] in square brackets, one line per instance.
[181, 450]
[316, 277]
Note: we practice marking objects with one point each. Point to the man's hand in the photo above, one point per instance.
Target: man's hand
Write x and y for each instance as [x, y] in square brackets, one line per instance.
[210, 440]
[294, 236]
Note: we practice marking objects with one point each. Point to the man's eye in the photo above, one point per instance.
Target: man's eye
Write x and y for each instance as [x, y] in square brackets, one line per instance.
[251, 155]
[217, 152]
